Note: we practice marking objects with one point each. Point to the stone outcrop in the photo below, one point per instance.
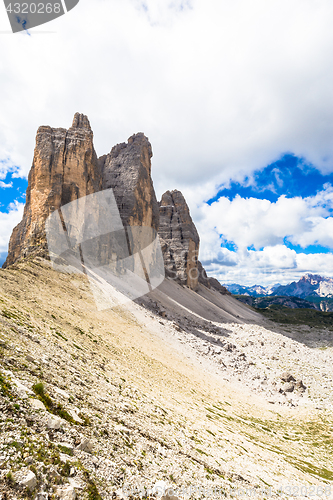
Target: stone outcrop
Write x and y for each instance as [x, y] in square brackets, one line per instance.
[65, 167]
[179, 238]
[127, 170]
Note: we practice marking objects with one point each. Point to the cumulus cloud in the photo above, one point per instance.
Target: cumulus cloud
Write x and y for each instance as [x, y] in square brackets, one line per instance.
[3, 185]
[256, 231]
[259, 223]
[277, 264]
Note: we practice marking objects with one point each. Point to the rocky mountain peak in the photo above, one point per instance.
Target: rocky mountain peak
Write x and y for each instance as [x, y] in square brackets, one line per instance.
[81, 121]
[127, 170]
[180, 239]
[65, 167]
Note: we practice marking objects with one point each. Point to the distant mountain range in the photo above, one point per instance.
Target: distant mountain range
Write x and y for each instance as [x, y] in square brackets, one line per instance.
[252, 291]
[311, 287]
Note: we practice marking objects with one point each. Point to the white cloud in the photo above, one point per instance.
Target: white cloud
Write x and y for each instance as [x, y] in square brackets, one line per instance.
[7, 222]
[259, 228]
[272, 265]
[259, 223]
[3, 185]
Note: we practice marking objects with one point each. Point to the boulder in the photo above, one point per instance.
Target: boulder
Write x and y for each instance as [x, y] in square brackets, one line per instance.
[29, 481]
[287, 377]
[37, 404]
[289, 387]
[300, 386]
[67, 493]
[86, 445]
[75, 416]
[55, 423]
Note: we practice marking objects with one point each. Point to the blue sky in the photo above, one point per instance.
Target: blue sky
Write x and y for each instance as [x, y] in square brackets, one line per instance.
[14, 189]
[290, 177]
[12, 198]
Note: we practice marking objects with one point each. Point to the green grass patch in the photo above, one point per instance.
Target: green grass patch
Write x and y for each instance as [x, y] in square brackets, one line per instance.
[61, 336]
[5, 388]
[65, 450]
[91, 489]
[51, 406]
[310, 317]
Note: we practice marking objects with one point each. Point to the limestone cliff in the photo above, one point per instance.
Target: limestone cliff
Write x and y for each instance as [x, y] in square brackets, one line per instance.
[180, 239]
[65, 167]
[127, 170]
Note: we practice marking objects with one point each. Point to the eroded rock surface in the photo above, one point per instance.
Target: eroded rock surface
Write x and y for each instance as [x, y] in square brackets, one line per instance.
[65, 168]
[127, 170]
[180, 239]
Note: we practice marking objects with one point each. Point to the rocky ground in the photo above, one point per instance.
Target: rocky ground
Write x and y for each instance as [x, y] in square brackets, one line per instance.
[110, 404]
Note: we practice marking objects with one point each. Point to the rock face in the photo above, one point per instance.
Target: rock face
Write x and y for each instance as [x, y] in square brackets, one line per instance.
[127, 170]
[65, 167]
[179, 238]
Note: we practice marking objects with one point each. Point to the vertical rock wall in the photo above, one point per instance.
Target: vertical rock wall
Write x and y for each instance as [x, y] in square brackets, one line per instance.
[65, 167]
[180, 239]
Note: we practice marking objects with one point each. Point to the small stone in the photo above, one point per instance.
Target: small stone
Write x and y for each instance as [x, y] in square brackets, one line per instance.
[42, 495]
[29, 460]
[86, 446]
[76, 484]
[30, 359]
[120, 494]
[287, 377]
[289, 387]
[160, 488]
[53, 474]
[169, 496]
[67, 493]
[37, 404]
[29, 481]
[300, 386]
[229, 347]
[75, 416]
[64, 458]
[61, 392]
[22, 388]
[54, 423]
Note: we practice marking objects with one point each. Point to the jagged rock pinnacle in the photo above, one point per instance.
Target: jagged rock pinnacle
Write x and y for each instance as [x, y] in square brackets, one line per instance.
[81, 121]
[180, 239]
